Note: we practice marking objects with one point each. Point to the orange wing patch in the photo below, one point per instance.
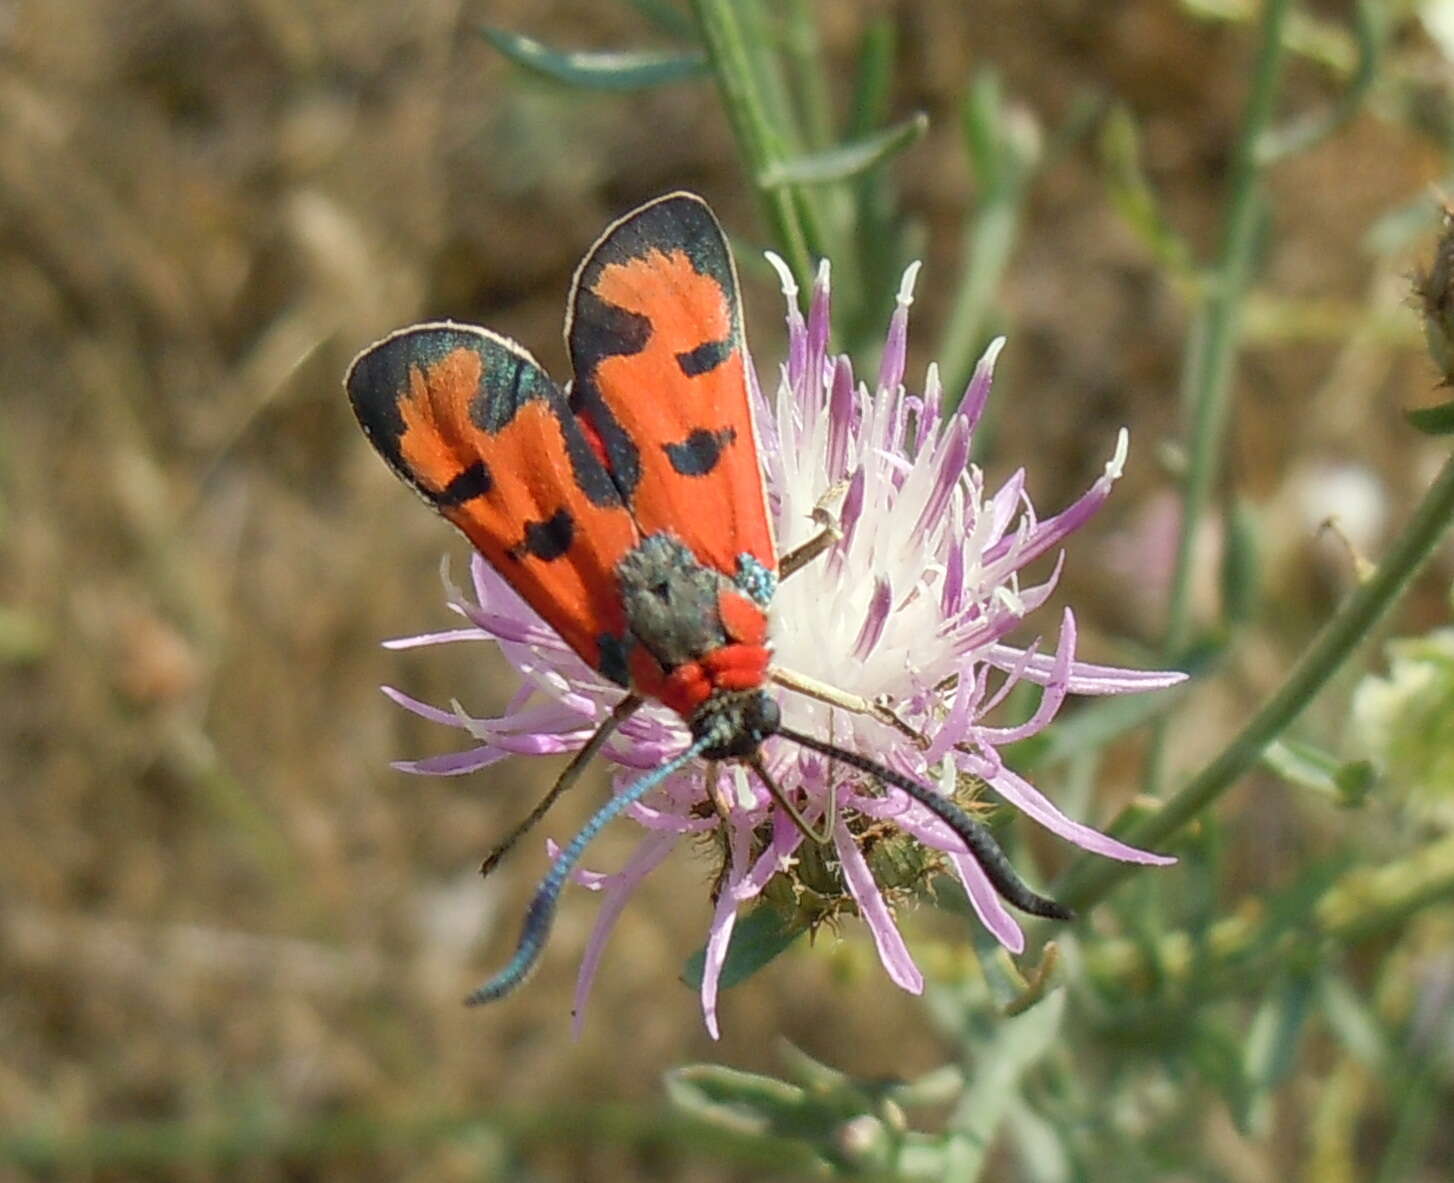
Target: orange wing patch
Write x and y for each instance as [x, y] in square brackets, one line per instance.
[479, 429]
[655, 336]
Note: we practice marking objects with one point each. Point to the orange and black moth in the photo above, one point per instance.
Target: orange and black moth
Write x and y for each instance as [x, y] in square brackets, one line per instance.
[629, 510]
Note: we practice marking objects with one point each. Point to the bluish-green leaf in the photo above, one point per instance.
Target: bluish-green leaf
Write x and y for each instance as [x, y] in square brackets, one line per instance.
[632, 69]
[1435, 420]
[845, 160]
[746, 1102]
[756, 940]
[1016, 1045]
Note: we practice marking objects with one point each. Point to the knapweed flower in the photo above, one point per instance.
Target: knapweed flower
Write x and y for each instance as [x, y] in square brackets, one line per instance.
[910, 611]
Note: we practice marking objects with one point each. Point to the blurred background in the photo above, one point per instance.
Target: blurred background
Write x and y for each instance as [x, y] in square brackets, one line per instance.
[233, 941]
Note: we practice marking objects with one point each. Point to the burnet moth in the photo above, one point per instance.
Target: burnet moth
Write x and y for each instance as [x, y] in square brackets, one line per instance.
[629, 511]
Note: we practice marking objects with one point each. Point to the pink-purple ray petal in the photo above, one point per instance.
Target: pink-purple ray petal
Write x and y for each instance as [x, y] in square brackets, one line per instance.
[1051, 696]
[977, 393]
[892, 951]
[451, 763]
[875, 619]
[1034, 804]
[987, 904]
[724, 920]
[650, 853]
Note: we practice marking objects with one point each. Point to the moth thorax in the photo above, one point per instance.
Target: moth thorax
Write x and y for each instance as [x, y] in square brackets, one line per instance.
[735, 722]
[672, 600]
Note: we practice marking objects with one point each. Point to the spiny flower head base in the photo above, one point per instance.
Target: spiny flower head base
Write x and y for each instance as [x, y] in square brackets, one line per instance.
[911, 607]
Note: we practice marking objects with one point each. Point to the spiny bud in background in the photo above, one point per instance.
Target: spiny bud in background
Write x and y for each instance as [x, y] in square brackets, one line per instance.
[1434, 289]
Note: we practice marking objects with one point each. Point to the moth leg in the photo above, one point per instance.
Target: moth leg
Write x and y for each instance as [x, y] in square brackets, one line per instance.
[858, 705]
[801, 556]
[623, 711]
[827, 535]
[830, 816]
[721, 802]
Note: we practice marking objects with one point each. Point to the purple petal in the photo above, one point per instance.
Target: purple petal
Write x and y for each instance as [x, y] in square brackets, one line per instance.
[492, 591]
[977, 635]
[892, 951]
[961, 713]
[581, 876]
[877, 617]
[675, 823]
[1085, 677]
[519, 630]
[951, 596]
[554, 717]
[644, 754]
[929, 410]
[638, 757]
[539, 744]
[786, 838]
[1007, 499]
[423, 709]
[986, 902]
[819, 322]
[764, 425]
[919, 823]
[953, 455]
[976, 394]
[1034, 804]
[848, 517]
[1012, 678]
[840, 419]
[797, 330]
[724, 920]
[1049, 533]
[452, 763]
[648, 856]
[891, 367]
[1050, 699]
[447, 637]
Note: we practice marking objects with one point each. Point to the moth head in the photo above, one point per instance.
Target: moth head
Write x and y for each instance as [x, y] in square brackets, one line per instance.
[735, 722]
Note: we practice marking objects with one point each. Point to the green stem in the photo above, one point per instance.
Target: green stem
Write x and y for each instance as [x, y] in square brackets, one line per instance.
[759, 141]
[1206, 376]
[1091, 877]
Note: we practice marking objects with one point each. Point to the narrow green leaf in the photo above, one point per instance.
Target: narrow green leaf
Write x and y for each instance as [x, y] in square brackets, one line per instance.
[982, 116]
[598, 70]
[1310, 767]
[1240, 574]
[1132, 194]
[757, 940]
[1354, 1023]
[845, 160]
[873, 84]
[1272, 1044]
[1436, 420]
